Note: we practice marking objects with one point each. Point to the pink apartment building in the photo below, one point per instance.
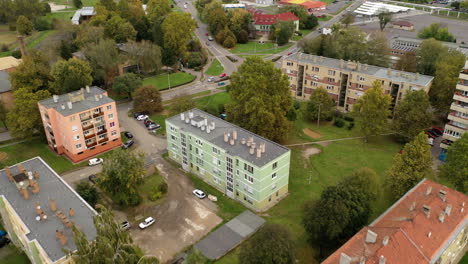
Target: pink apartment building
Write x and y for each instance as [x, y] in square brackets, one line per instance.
[81, 124]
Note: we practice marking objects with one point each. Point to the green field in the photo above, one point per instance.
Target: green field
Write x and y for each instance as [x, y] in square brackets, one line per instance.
[60, 16]
[252, 47]
[161, 82]
[215, 68]
[213, 100]
[70, 2]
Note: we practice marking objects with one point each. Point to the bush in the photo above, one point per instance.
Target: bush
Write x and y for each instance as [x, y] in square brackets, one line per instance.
[243, 37]
[88, 193]
[162, 187]
[351, 125]
[3, 47]
[348, 118]
[339, 122]
[16, 54]
[297, 105]
[195, 59]
[337, 114]
[229, 42]
[211, 109]
[232, 59]
[329, 118]
[155, 195]
[46, 7]
[12, 26]
[221, 108]
[41, 24]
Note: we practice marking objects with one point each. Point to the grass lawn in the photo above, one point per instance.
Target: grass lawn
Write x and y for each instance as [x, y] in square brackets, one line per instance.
[70, 2]
[253, 47]
[304, 33]
[6, 36]
[161, 81]
[215, 68]
[324, 18]
[60, 16]
[18, 257]
[464, 260]
[213, 100]
[149, 186]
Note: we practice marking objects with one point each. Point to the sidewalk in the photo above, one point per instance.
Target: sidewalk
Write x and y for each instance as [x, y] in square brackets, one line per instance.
[4, 136]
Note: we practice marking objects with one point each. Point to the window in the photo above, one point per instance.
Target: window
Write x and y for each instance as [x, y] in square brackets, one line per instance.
[99, 119]
[109, 107]
[113, 133]
[290, 63]
[329, 87]
[275, 165]
[248, 178]
[315, 84]
[331, 72]
[331, 79]
[78, 146]
[173, 137]
[173, 129]
[273, 175]
[72, 118]
[100, 128]
[112, 124]
[88, 141]
[360, 86]
[217, 151]
[86, 132]
[74, 128]
[361, 79]
[76, 137]
[199, 142]
[248, 168]
[273, 186]
[317, 69]
[110, 116]
[102, 136]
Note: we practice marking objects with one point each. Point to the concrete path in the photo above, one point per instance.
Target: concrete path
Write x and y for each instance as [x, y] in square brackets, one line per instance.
[4, 136]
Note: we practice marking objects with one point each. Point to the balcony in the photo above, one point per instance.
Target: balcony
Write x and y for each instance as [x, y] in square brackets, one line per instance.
[98, 114]
[85, 118]
[458, 126]
[100, 132]
[463, 76]
[103, 140]
[462, 86]
[87, 127]
[90, 136]
[460, 97]
[91, 144]
[457, 117]
[458, 108]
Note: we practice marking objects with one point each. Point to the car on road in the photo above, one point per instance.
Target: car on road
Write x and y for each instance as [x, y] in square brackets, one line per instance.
[211, 79]
[290, 53]
[128, 144]
[153, 126]
[136, 115]
[221, 83]
[148, 221]
[125, 225]
[210, 38]
[128, 134]
[185, 6]
[142, 117]
[92, 178]
[95, 161]
[199, 193]
[223, 75]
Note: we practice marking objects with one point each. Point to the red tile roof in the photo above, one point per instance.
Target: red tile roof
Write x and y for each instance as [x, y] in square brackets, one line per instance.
[414, 236]
[403, 23]
[313, 4]
[266, 19]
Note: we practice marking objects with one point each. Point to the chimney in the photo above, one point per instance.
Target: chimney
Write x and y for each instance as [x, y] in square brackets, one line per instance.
[96, 97]
[187, 120]
[231, 141]
[70, 105]
[382, 259]
[248, 143]
[253, 144]
[442, 216]
[263, 147]
[413, 206]
[443, 195]
[8, 174]
[36, 175]
[259, 152]
[427, 210]
[234, 134]
[63, 107]
[448, 209]
[359, 66]
[371, 237]
[190, 114]
[71, 212]
[35, 187]
[100, 96]
[226, 137]
[25, 193]
[345, 259]
[30, 178]
[56, 97]
[61, 237]
[87, 89]
[429, 190]
[252, 151]
[243, 141]
[52, 205]
[385, 240]
[182, 116]
[82, 90]
[21, 168]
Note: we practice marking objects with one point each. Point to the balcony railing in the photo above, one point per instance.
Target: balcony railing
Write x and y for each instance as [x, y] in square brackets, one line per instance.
[460, 94]
[91, 144]
[98, 114]
[455, 114]
[89, 136]
[87, 127]
[85, 118]
[102, 131]
[458, 126]
[103, 140]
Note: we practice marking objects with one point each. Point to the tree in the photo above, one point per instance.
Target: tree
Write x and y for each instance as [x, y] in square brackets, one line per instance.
[311, 22]
[145, 54]
[24, 118]
[110, 5]
[122, 173]
[24, 26]
[158, 8]
[412, 115]
[260, 99]
[407, 62]
[239, 20]
[348, 19]
[88, 193]
[298, 11]
[196, 257]
[456, 167]
[3, 114]
[126, 84]
[282, 31]
[428, 54]
[32, 73]
[436, 31]
[181, 104]
[372, 111]
[216, 17]
[446, 78]
[119, 29]
[69, 76]
[384, 18]
[378, 50]
[272, 244]
[320, 98]
[104, 59]
[147, 99]
[111, 245]
[178, 29]
[77, 3]
[88, 34]
[409, 167]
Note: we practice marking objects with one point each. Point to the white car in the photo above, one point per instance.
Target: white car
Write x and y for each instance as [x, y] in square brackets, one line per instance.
[199, 193]
[148, 221]
[142, 117]
[95, 161]
[211, 79]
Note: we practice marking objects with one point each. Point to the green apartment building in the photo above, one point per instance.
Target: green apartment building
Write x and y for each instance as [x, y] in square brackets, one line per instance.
[241, 164]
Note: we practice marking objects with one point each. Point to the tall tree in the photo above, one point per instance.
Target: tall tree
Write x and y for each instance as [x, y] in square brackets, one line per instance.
[311, 22]
[122, 173]
[407, 62]
[428, 54]
[282, 31]
[410, 166]
[24, 26]
[260, 99]
[112, 244]
[384, 18]
[24, 118]
[436, 31]
[32, 73]
[77, 3]
[69, 76]
[412, 115]
[321, 101]
[147, 99]
[3, 114]
[456, 167]
[216, 17]
[104, 59]
[178, 29]
[372, 111]
[126, 84]
[119, 29]
[110, 5]
[348, 19]
[88, 192]
[158, 8]
[378, 51]
[88, 34]
[446, 78]
[145, 54]
[272, 244]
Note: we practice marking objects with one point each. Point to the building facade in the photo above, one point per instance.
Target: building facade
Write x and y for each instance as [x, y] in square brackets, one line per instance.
[264, 22]
[241, 164]
[458, 116]
[81, 124]
[346, 81]
[428, 225]
[38, 209]
[7, 66]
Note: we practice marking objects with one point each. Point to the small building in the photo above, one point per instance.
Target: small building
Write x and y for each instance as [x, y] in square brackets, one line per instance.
[263, 22]
[244, 166]
[428, 225]
[38, 209]
[403, 24]
[310, 6]
[81, 124]
[7, 65]
[372, 9]
[83, 14]
[233, 6]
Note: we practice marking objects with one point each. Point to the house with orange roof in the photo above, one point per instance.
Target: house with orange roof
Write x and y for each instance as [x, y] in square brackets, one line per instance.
[310, 6]
[263, 22]
[428, 225]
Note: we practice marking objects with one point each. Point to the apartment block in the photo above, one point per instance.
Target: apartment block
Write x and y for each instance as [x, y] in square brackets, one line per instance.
[81, 124]
[239, 163]
[38, 210]
[346, 81]
[428, 225]
[458, 116]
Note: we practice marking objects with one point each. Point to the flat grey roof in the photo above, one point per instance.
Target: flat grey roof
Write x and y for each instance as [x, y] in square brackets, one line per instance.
[228, 236]
[379, 72]
[5, 84]
[89, 101]
[272, 150]
[51, 187]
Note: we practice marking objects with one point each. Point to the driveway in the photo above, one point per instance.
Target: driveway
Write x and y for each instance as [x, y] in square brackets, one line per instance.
[74, 177]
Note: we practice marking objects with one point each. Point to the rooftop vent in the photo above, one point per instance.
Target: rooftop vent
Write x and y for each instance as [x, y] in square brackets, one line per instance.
[8, 174]
[25, 193]
[87, 89]
[59, 235]
[71, 212]
[259, 152]
[36, 175]
[52, 205]
[382, 259]
[443, 195]
[226, 137]
[56, 97]
[96, 98]
[429, 234]
[190, 114]
[385, 240]
[448, 209]
[182, 116]
[234, 134]
[62, 106]
[252, 151]
[442, 216]
[371, 237]
[429, 190]
[243, 141]
[345, 259]
[413, 206]
[427, 210]
[232, 141]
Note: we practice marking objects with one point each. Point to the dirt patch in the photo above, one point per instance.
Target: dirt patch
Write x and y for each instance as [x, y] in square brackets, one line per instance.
[306, 153]
[3, 156]
[309, 132]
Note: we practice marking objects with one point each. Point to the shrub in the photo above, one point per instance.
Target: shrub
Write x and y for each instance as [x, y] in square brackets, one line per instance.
[348, 118]
[88, 193]
[16, 54]
[229, 42]
[297, 105]
[339, 122]
[154, 196]
[276, 58]
[12, 26]
[195, 59]
[351, 125]
[46, 7]
[3, 47]
[329, 118]
[338, 114]
[232, 59]
[162, 187]
[211, 109]
[41, 24]
[243, 37]
[221, 108]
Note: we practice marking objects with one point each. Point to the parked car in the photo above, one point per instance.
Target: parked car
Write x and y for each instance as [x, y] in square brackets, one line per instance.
[438, 129]
[128, 144]
[92, 178]
[199, 193]
[221, 83]
[95, 161]
[137, 114]
[148, 221]
[210, 38]
[211, 79]
[206, 34]
[447, 142]
[436, 132]
[4, 241]
[149, 123]
[432, 133]
[223, 75]
[290, 53]
[125, 225]
[142, 117]
[153, 126]
[128, 134]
